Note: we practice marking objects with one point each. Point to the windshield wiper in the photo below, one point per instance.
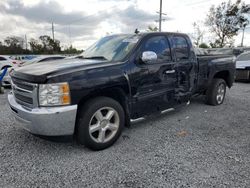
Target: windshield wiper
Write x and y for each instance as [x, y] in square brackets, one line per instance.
[95, 57]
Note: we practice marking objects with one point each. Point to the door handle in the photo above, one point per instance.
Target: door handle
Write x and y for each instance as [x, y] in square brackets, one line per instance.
[170, 71]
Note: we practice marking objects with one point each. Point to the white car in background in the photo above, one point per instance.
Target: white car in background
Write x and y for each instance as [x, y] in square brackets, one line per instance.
[7, 62]
[43, 58]
[243, 66]
[7, 80]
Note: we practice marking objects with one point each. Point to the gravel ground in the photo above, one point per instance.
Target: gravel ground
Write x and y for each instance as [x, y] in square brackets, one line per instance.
[196, 146]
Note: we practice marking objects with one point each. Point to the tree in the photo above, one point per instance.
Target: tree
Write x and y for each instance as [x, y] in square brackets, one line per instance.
[49, 46]
[35, 47]
[13, 45]
[71, 50]
[203, 45]
[198, 34]
[152, 29]
[225, 21]
[14, 42]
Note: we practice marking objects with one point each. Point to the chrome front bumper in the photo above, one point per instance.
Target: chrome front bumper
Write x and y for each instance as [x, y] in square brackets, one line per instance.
[51, 121]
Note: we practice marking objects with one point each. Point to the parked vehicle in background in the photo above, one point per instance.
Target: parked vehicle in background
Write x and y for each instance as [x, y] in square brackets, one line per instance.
[6, 82]
[23, 58]
[6, 61]
[119, 78]
[75, 57]
[243, 67]
[43, 58]
[225, 51]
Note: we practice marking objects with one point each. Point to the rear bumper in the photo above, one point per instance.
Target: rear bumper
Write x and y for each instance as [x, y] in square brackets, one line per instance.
[53, 121]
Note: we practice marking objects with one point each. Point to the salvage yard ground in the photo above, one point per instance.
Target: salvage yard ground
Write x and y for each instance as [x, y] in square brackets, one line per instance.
[196, 146]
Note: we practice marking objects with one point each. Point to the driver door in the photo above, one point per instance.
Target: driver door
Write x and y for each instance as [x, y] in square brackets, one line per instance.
[157, 82]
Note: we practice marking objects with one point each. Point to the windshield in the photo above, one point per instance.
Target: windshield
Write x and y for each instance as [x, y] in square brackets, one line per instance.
[112, 48]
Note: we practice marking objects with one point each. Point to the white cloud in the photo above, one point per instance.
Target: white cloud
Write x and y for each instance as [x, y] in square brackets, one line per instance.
[80, 22]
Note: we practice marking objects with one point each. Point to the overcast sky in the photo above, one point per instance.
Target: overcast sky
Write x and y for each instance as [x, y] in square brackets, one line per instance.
[81, 22]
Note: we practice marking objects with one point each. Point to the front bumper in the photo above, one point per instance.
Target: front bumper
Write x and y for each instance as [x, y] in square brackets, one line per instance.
[51, 121]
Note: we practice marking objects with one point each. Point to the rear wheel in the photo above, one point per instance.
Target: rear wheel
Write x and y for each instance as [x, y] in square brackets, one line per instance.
[216, 92]
[100, 123]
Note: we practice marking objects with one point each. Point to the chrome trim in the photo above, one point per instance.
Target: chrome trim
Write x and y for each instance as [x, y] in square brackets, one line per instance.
[170, 71]
[22, 93]
[137, 120]
[32, 94]
[167, 110]
[49, 121]
[23, 90]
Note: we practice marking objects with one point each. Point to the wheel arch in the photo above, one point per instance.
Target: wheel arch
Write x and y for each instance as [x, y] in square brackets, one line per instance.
[116, 93]
[225, 75]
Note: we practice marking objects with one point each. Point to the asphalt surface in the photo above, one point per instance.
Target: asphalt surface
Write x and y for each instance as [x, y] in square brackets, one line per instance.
[196, 146]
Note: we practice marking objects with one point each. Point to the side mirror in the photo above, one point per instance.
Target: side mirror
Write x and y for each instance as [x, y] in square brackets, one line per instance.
[149, 56]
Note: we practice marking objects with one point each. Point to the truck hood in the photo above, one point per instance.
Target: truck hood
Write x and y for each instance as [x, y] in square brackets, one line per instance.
[39, 72]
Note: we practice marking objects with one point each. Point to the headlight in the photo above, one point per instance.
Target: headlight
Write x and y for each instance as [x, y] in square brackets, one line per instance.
[54, 94]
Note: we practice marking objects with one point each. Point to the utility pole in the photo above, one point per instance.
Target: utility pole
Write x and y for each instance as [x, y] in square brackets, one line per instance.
[243, 35]
[26, 43]
[160, 16]
[70, 42]
[53, 32]
[160, 20]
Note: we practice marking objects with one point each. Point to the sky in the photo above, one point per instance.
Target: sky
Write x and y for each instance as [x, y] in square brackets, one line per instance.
[82, 22]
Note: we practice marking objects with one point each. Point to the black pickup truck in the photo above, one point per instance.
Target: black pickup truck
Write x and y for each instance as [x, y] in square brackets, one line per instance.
[118, 79]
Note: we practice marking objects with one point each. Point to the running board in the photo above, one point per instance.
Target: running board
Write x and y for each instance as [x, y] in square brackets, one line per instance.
[137, 120]
[167, 110]
[143, 118]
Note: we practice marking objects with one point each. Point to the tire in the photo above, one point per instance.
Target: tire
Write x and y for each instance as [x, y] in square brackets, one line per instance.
[216, 92]
[100, 123]
[1, 89]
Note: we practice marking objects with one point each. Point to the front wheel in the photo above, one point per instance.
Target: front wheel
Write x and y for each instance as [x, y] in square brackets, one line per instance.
[216, 92]
[100, 123]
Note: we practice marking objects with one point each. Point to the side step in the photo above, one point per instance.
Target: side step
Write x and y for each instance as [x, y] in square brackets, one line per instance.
[143, 118]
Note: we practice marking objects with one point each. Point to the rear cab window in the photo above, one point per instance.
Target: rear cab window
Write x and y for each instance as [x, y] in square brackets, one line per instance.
[181, 48]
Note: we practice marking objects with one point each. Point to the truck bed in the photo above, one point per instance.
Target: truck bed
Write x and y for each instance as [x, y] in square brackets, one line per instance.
[203, 67]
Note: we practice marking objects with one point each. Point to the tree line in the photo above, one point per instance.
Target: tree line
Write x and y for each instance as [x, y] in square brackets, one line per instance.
[43, 45]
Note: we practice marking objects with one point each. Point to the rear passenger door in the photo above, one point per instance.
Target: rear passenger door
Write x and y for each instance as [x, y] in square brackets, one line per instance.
[186, 65]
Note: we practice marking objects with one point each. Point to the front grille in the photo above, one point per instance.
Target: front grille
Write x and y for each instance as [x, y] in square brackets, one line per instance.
[24, 98]
[25, 93]
[23, 85]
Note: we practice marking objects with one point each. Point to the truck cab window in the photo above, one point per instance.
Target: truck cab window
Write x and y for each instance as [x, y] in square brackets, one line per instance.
[181, 48]
[160, 46]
